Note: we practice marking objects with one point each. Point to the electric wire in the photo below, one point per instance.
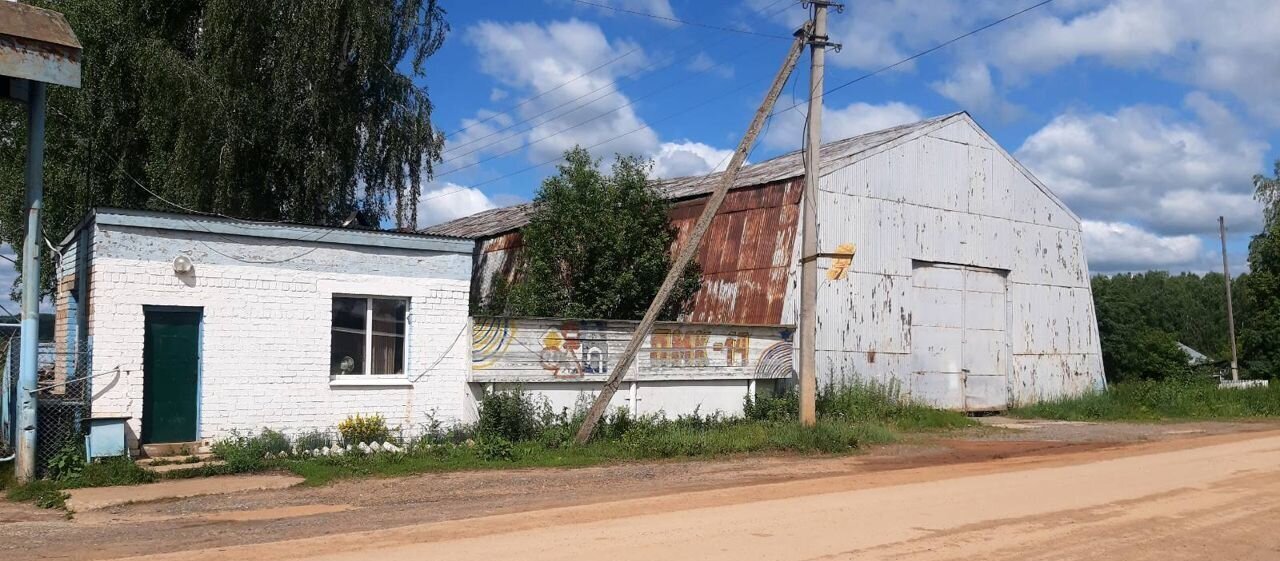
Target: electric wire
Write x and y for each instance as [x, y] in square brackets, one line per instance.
[681, 21]
[776, 111]
[453, 155]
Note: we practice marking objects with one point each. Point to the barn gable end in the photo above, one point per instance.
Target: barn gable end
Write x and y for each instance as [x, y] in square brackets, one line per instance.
[948, 202]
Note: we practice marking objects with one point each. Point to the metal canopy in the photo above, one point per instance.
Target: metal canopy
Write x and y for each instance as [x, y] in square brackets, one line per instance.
[37, 44]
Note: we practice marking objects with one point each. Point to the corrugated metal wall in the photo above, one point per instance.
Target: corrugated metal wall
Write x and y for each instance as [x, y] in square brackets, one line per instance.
[745, 256]
[952, 196]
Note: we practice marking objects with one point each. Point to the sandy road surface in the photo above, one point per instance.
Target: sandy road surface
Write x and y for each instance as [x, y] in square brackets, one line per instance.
[1207, 498]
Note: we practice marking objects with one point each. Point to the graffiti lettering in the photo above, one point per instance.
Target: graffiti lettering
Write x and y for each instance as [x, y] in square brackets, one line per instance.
[677, 348]
[571, 352]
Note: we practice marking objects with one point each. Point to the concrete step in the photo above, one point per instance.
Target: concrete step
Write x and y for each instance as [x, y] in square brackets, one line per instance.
[102, 497]
[165, 468]
[179, 459]
[169, 449]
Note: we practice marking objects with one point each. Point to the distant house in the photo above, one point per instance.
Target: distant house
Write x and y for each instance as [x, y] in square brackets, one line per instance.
[968, 286]
[195, 326]
[1194, 357]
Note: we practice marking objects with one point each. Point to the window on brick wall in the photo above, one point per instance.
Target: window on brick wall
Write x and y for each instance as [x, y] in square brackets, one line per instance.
[368, 335]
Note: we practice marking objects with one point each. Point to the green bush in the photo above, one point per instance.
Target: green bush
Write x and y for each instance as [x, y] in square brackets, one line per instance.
[244, 453]
[68, 462]
[771, 407]
[495, 449]
[509, 414]
[311, 441]
[356, 429]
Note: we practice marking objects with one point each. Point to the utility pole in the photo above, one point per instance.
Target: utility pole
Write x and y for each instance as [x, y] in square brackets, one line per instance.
[809, 225]
[39, 49]
[1231, 319]
[690, 247]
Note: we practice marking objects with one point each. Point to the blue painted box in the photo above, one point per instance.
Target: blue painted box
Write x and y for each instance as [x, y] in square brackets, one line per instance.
[105, 437]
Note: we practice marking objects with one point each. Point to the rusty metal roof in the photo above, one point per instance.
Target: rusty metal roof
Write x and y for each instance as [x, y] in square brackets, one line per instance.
[834, 154]
[38, 44]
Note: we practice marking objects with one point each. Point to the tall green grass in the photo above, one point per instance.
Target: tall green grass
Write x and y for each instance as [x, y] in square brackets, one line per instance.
[515, 430]
[1160, 400]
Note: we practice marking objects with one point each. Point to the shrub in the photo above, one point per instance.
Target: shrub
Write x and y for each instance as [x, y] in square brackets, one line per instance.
[769, 407]
[509, 414]
[311, 441]
[495, 449]
[248, 453]
[356, 429]
[68, 462]
[273, 442]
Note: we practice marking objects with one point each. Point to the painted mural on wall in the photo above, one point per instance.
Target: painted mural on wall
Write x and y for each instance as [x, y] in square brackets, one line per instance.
[507, 349]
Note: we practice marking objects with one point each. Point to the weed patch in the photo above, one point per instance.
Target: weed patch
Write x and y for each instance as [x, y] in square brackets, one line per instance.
[1160, 400]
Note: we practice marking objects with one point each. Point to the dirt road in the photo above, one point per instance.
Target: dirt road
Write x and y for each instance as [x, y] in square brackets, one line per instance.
[1215, 497]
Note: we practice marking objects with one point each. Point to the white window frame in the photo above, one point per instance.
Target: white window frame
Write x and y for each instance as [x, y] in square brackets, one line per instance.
[368, 378]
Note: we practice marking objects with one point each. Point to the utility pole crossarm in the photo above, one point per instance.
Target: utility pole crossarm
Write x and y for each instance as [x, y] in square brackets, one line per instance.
[691, 245]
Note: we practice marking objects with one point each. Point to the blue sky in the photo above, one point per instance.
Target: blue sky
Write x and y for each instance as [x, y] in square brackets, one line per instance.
[1148, 117]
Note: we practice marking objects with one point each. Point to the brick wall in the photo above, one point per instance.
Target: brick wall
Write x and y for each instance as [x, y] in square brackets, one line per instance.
[266, 320]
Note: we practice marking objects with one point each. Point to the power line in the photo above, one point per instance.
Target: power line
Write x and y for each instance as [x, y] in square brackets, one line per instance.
[924, 52]
[723, 94]
[454, 156]
[683, 22]
[629, 103]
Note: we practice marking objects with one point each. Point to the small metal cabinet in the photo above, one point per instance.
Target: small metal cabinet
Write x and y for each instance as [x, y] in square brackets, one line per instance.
[105, 437]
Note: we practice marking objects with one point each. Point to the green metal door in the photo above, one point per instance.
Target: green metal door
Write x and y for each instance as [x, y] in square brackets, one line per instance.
[170, 375]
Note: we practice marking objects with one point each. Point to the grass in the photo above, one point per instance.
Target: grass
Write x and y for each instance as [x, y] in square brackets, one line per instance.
[642, 444]
[1160, 401]
[516, 432]
[51, 493]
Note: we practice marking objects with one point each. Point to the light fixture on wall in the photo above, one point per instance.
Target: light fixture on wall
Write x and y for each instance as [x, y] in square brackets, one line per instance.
[182, 265]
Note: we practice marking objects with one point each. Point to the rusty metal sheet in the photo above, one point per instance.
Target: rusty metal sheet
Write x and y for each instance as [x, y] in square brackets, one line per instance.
[38, 44]
[789, 166]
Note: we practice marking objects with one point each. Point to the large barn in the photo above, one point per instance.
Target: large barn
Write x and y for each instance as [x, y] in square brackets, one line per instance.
[968, 287]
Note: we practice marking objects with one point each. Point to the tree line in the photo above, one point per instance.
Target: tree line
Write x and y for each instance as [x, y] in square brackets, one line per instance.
[291, 110]
[1143, 316]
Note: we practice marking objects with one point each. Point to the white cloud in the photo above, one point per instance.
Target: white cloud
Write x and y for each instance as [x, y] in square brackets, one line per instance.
[1145, 165]
[497, 94]
[702, 62]
[574, 105]
[1229, 47]
[679, 159]
[971, 87]
[1117, 246]
[787, 129]
[660, 8]
[489, 132]
[446, 201]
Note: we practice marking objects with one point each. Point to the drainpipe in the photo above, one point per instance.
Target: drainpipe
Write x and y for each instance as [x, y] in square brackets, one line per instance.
[25, 469]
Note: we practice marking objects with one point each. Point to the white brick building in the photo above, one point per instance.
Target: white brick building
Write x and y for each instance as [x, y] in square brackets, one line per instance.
[274, 325]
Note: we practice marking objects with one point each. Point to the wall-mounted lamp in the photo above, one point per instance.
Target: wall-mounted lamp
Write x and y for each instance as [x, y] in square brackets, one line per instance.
[182, 265]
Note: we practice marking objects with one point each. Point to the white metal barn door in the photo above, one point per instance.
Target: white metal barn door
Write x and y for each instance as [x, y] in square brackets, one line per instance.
[958, 337]
[985, 345]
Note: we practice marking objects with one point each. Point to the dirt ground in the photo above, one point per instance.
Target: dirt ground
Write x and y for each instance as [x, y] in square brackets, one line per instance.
[210, 523]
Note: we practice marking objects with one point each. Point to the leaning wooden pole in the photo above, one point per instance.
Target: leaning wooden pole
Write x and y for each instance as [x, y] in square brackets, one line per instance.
[690, 247]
